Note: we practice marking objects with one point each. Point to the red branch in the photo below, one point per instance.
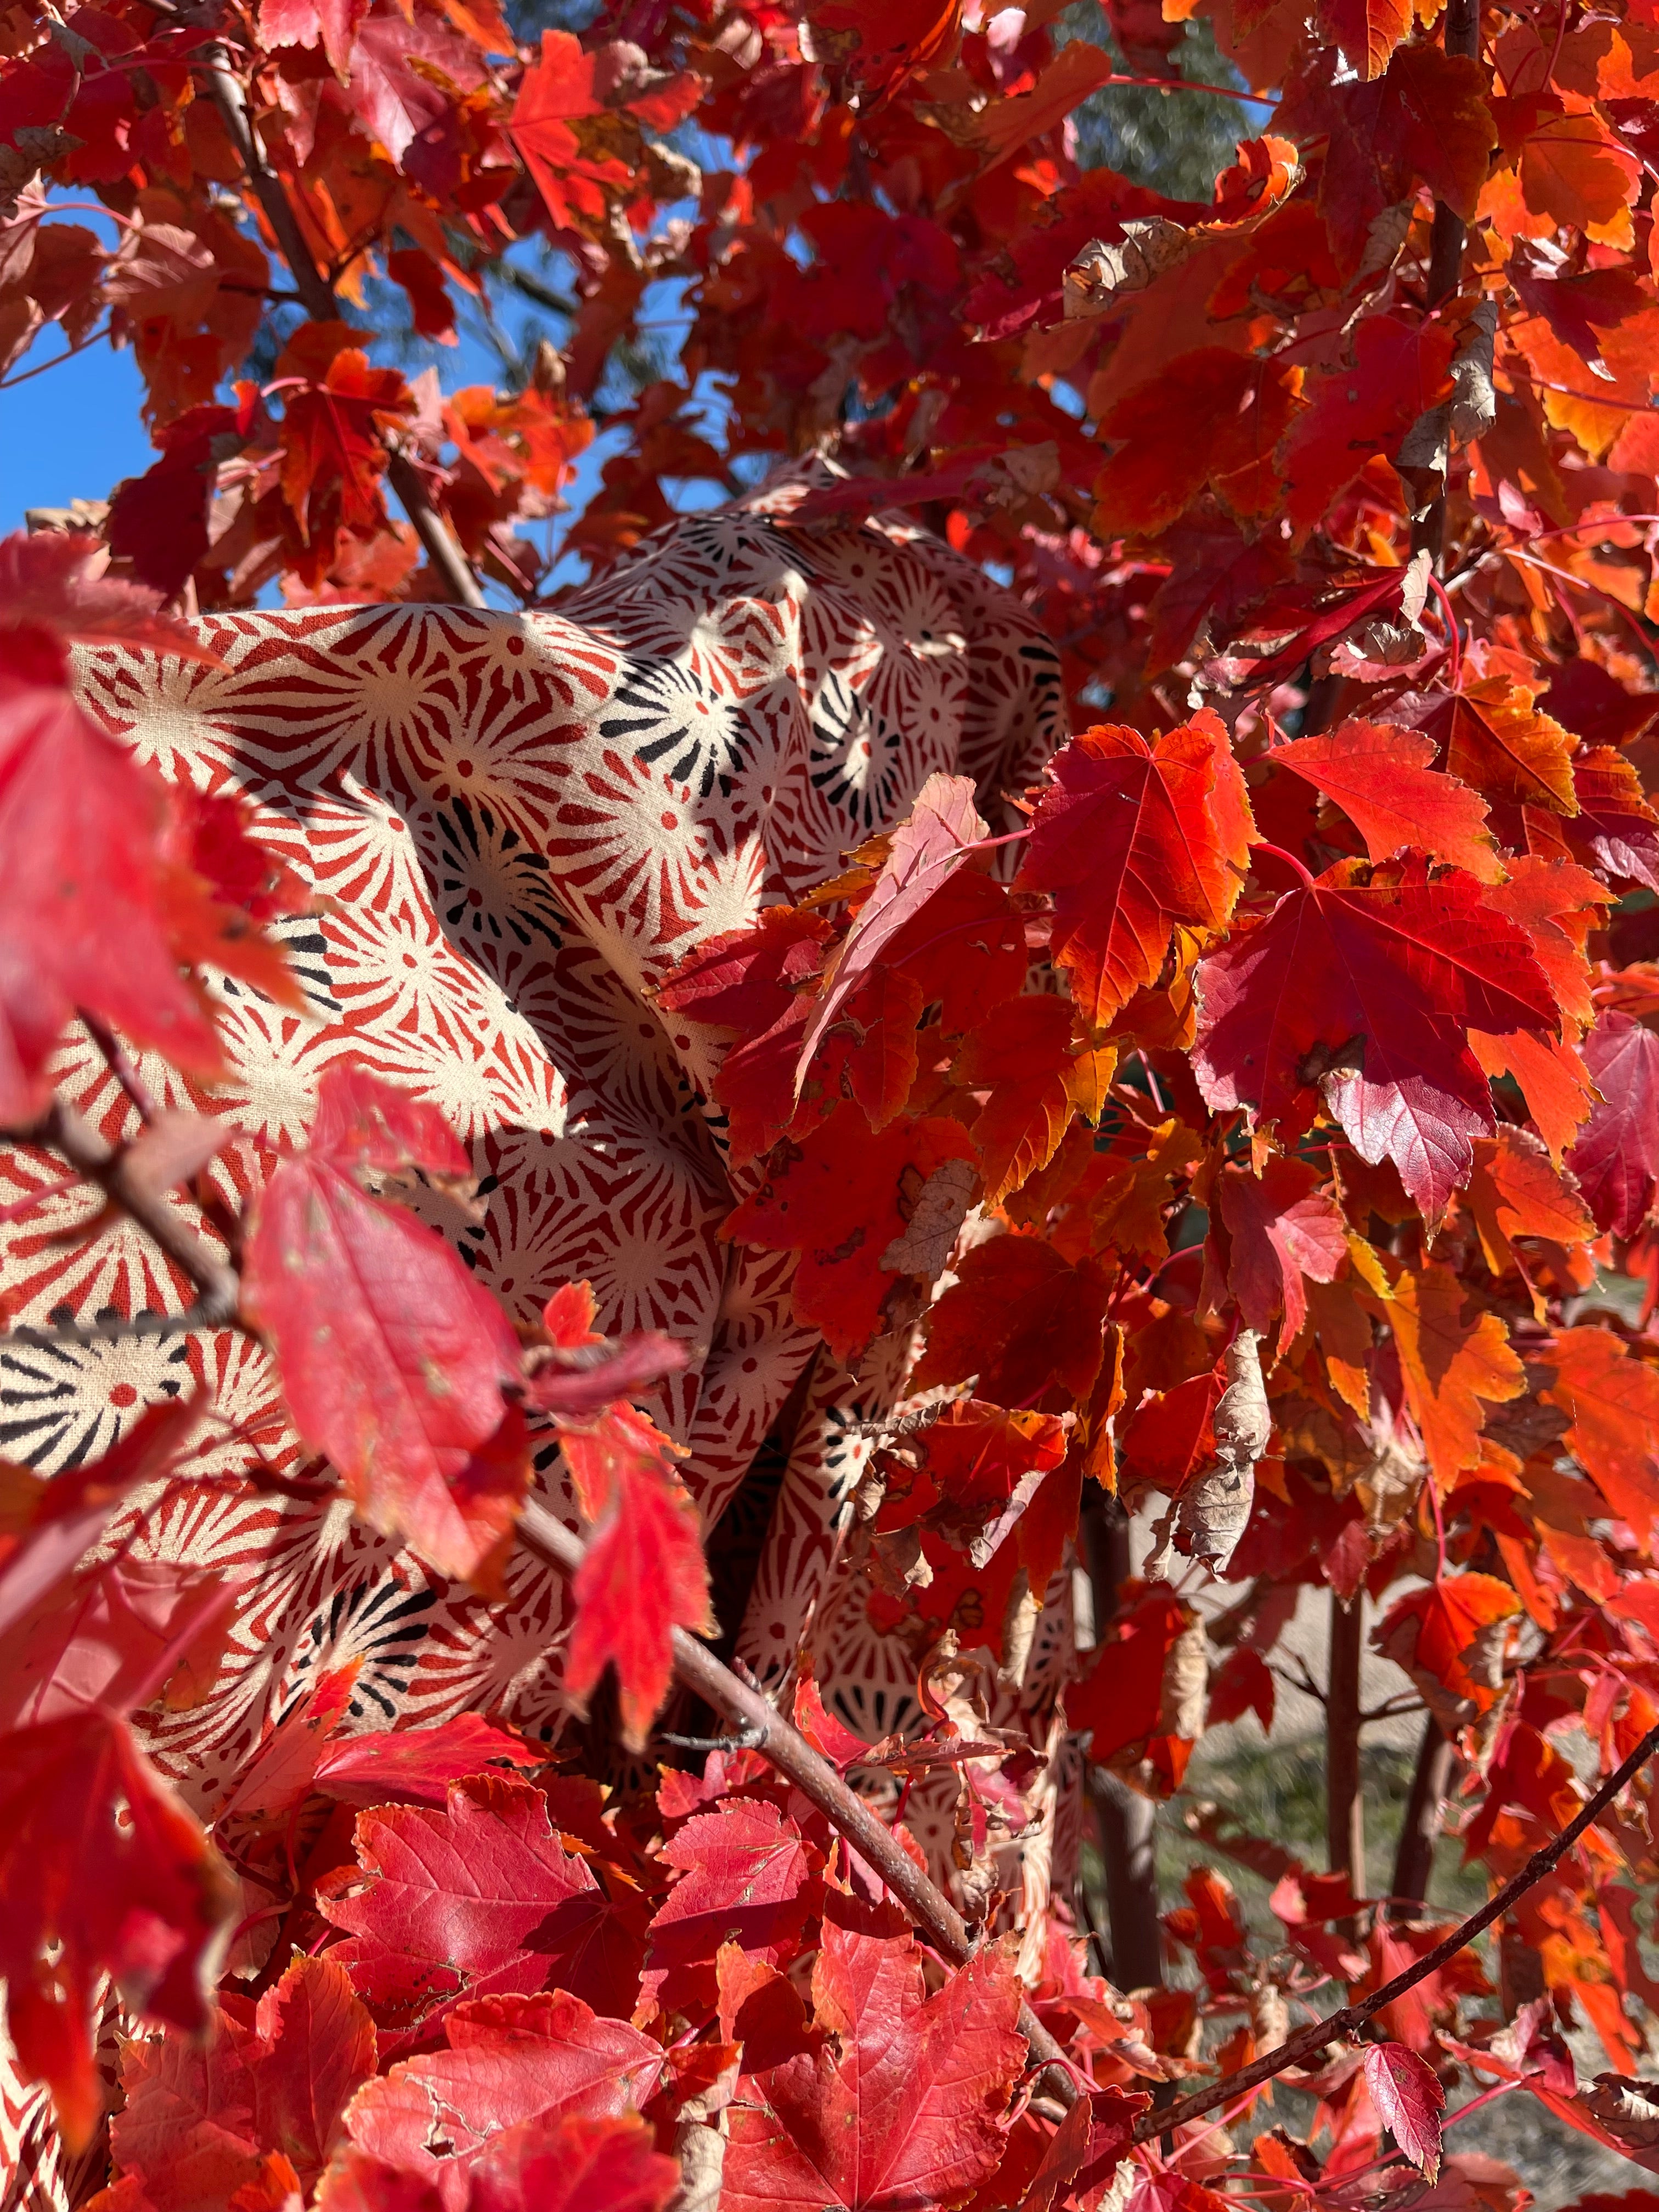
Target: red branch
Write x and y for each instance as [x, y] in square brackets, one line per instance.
[1338, 2026]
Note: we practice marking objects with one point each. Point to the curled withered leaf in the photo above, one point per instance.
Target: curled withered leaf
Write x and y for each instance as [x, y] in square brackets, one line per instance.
[1470, 412]
[1104, 270]
[1629, 2112]
[941, 1208]
[1216, 1506]
[896, 1563]
[1384, 237]
[1374, 651]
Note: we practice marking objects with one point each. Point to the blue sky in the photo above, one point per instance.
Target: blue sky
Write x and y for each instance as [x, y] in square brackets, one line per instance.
[72, 433]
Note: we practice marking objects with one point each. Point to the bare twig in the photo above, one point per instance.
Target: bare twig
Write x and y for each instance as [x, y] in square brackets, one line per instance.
[57, 359]
[744, 1740]
[115, 1328]
[216, 1280]
[1338, 2025]
[1393, 1709]
[522, 280]
[1344, 1801]
[119, 1061]
[317, 296]
[1302, 1680]
[768, 1732]
[894, 1426]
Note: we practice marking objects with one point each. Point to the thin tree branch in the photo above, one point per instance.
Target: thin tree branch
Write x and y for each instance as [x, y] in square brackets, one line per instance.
[1337, 2027]
[57, 359]
[116, 1329]
[1462, 36]
[217, 1280]
[317, 296]
[744, 1740]
[1393, 1709]
[532, 287]
[1419, 1831]
[1446, 243]
[697, 1668]
[120, 1062]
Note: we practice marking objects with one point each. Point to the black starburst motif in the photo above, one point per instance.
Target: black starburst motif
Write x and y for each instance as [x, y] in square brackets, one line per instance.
[661, 714]
[491, 889]
[65, 1403]
[855, 755]
[381, 1623]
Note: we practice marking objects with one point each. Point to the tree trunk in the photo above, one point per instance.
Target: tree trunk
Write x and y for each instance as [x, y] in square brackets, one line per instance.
[1345, 1812]
[1413, 1864]
[1125, 1821]
[1127, 1825]
[1446, 240]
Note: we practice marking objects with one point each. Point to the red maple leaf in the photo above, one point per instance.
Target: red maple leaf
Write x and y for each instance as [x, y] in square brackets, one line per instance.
[1361, 993]
[117, 1635]
[558, 91]
[195, 2119]
[1614, 819]
[1356, 411]
[1134, 840]
[85, 916]
[586, 1371]
[1611, 1397]
[1037, 1077]
[1381, 777]
[1022, 1319]
[408, 74]
[978, 1454]
[1616, 1158]
[160, 522]
[416, 1765]
[905, 2104]
[747, 1878]
[1409, 2100]
[48, 1526]
[480, 1898]
[393, 1359]
[1426, 116]
[644, 1575]
[1172, 1434]
[401, 1766]
[102, 1871]
[838, 1199]
[938, 836]
[509, 2060]
[560, 2164]
[335, 413]
[1447, 1632]
[304, 23]
[752, 983]
[574, 2164]
[1124, 1699]
[1285, 1232]
[1211, 418]
[53, 589]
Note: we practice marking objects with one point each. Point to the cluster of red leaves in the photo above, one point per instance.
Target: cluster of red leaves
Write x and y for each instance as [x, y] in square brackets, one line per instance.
[1345, 956]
